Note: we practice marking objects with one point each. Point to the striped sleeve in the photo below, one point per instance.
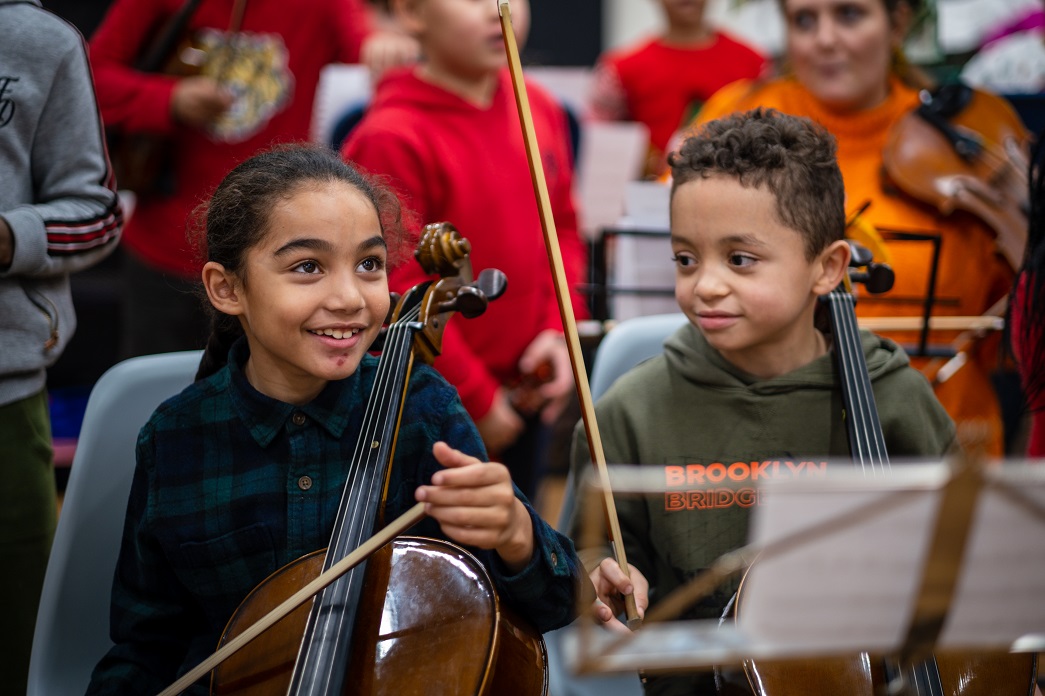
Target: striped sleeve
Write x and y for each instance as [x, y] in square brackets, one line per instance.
[75, 218]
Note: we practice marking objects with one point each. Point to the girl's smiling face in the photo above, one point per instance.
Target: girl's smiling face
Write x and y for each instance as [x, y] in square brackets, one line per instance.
[314, 292]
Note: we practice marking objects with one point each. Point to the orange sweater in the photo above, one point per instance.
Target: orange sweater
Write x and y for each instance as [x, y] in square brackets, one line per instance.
[971, 276]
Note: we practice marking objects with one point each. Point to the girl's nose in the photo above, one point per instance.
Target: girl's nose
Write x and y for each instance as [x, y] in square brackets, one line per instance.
[345, 293]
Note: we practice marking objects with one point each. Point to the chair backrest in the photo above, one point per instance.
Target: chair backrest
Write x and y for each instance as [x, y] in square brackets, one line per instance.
[72, 626]
[629, 343]
[624, 346]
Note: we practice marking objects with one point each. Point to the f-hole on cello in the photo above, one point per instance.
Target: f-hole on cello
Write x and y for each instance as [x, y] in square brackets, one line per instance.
[950, 674]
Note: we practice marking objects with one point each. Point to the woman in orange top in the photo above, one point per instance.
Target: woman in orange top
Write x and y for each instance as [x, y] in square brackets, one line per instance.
[848, 73]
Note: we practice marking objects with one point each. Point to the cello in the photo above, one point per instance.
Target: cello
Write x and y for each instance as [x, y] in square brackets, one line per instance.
[420, 616]
[950, 674]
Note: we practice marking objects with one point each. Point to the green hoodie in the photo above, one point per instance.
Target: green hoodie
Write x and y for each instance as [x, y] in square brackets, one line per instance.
[703, 421]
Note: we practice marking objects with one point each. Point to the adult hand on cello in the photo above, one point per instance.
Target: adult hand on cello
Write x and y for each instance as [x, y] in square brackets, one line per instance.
[475, 504]
[611, 586]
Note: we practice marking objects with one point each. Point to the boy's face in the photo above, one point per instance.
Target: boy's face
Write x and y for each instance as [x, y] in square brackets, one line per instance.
[463, 37]
[742, 276]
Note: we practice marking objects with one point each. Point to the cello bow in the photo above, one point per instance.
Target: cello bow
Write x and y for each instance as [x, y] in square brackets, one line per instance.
[562, 295]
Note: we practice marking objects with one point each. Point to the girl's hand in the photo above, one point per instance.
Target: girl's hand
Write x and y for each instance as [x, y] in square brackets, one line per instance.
[475, 504]
[611, 585]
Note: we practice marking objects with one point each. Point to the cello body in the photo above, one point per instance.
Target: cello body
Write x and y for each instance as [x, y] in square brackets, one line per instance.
[432, 624]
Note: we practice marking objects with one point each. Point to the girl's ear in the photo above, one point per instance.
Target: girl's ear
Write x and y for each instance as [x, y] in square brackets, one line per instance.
[222, 288]
[832, 265]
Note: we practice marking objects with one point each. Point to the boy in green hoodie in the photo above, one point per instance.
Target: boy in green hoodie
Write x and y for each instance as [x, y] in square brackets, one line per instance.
[747, 389]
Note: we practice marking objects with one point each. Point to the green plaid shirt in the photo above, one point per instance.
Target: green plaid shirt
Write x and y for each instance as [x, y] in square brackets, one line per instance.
[231, 485]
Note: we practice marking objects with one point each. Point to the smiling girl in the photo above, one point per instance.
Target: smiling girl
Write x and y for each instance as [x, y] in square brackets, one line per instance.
[243, 471]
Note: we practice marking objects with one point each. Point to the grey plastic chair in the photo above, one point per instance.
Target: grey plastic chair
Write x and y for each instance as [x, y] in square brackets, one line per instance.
[72, 626]
[625, 346]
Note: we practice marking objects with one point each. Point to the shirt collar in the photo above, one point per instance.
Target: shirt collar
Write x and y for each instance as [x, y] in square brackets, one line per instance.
[265, 417]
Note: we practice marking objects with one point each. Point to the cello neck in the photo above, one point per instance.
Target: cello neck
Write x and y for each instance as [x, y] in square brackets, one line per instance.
[326, 645]
[866, 440]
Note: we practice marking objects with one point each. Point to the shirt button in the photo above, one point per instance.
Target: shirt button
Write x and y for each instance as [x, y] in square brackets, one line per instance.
[305, 482]
[298, 418]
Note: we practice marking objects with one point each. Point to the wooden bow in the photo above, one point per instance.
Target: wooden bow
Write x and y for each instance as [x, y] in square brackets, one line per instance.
[562, 294]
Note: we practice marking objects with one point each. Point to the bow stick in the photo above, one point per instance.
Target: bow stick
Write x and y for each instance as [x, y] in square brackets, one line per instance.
[562, 294]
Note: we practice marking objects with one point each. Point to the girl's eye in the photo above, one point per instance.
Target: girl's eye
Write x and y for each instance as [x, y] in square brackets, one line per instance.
[741, 260]
[307, 267]
[684, 260]
[371, 264]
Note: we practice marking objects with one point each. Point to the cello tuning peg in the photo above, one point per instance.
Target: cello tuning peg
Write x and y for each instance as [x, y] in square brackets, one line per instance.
[861, 255]
[469, 301]
[878, 278]
[492, 283]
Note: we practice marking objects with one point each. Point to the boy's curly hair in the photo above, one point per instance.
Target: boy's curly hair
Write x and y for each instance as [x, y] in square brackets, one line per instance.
[792, 157]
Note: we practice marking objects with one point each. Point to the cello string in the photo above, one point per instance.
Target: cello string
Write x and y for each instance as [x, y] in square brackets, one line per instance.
[330, 628]
[876, 441]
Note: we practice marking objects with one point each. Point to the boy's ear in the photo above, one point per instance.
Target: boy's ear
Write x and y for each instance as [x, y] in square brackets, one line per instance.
[833, 264]
[221, 287]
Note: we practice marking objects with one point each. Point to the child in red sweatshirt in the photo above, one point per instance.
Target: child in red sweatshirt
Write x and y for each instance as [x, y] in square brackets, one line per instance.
[447, 134]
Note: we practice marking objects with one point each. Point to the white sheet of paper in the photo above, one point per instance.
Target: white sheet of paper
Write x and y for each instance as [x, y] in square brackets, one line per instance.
[611, 157]
[855, 588]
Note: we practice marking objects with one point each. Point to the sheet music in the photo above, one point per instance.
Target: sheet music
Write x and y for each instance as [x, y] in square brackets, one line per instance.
[841, 567]
[855, 588]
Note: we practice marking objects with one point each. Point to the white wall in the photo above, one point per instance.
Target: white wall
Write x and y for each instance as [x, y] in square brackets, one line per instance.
[756, 21]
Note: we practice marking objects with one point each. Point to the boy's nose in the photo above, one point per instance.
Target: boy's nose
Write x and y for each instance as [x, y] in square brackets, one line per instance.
[709, 284]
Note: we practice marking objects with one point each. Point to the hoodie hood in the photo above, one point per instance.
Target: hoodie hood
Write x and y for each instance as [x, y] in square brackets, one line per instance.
[688, 353]
[404, 89]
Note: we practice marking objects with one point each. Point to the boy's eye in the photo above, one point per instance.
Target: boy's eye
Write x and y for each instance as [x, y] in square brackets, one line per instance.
[741, 260]
[307, 267]
[683, 260]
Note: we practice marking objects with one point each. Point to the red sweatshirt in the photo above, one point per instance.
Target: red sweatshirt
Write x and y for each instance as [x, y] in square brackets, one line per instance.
[455, 162]
[294, 40]
[663, 86]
